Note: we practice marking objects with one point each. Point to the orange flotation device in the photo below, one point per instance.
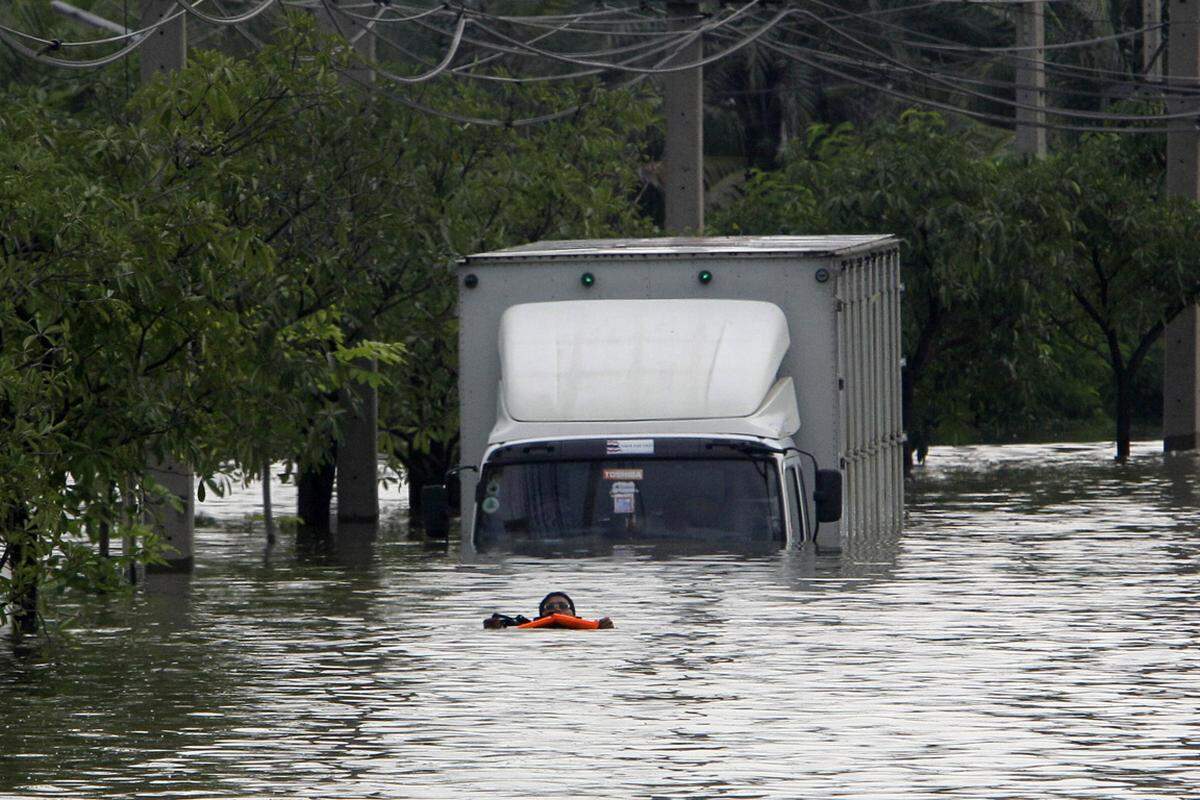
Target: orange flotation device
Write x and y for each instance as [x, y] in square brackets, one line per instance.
[562, 621]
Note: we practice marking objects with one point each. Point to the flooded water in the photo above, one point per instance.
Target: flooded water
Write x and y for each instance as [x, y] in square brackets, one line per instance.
[1034, 632]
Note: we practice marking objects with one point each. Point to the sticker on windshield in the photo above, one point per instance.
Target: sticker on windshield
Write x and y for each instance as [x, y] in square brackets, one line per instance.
[491, 504]
[622, 504]
[623, 487]
[618, 474]
[629, 447]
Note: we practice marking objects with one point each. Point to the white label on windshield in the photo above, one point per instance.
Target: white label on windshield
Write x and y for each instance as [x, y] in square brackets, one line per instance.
[629, 447]
[623, 474]
[622, 504]
[623, 487]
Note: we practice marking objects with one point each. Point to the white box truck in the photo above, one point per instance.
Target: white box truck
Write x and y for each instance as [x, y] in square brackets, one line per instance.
[679, 392]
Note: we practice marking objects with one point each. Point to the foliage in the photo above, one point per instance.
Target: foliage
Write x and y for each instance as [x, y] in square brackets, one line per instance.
[152, 303]
[196, 275]
[1119, 255]
[1060, 271]
[486, 188]
[930, 185]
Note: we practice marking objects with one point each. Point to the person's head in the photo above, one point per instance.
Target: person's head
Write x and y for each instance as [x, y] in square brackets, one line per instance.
[556, 603]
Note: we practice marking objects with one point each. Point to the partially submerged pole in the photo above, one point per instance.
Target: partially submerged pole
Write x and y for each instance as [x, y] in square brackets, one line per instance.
[173, 518]
[358, 450]
[1181, 388]
[165, 50]
[268, 513]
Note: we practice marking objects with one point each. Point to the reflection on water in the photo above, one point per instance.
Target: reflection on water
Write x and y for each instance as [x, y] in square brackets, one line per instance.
[1032, 633]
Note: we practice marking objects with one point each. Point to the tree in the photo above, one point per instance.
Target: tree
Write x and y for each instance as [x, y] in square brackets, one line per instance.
[931, 186]
[105, 300]
[485, 188]
[161, 298]
[1117, 256]
[197, 274]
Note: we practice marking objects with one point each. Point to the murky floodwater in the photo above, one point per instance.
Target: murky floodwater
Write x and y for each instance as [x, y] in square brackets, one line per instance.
[1034, 632]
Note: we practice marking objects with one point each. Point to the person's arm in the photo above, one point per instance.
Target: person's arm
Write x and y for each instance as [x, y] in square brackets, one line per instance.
[605, 622]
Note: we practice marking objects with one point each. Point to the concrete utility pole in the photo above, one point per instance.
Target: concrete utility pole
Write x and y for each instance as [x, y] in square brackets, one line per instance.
[1181, 389]
[1151, 39]
[165, 50]
[1031, 79]
[358, 452]
[176, 526]
[683, 106]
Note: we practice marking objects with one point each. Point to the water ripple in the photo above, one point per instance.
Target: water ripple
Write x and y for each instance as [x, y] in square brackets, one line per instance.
[1032, 633]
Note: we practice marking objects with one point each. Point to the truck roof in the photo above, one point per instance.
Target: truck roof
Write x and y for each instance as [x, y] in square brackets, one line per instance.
[639, 359]
[693, 247]
[570, 363]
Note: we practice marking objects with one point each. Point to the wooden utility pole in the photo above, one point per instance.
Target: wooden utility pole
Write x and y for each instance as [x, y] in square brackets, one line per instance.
[1181, 389]
[358, 450]
[683, 106]
[1031, 79]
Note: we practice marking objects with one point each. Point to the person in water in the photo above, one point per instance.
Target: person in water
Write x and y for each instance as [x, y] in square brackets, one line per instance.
[553, 603]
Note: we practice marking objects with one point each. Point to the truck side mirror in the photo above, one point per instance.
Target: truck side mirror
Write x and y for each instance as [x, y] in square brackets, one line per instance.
[827, 495]
[435, 511]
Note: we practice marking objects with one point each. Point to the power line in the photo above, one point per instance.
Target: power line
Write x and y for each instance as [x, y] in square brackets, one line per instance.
[442, 65]
[979, 115]
[634, 40]
[895, 65]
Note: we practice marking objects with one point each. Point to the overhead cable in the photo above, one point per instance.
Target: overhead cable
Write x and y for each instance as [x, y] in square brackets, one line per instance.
[980, 115]
[1057, 111]
[236, 19]
[441, 67]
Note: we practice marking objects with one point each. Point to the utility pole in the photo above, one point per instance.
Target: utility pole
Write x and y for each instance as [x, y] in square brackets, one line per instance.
[358, 451]
[1181, 389]
[1031, 79]
[165, 50]
[176, 526]
[683, 106]
[1151, 39]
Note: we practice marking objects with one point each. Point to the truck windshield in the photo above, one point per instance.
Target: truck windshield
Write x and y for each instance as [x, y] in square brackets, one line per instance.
[628, 499]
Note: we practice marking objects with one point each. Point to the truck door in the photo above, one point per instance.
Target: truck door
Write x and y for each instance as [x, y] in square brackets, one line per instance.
[798, 527]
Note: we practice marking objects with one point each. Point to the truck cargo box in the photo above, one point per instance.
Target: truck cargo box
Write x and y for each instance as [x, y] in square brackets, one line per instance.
[834, 332]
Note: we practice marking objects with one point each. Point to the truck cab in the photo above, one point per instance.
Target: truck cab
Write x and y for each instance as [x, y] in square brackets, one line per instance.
[643, 421]
[724, 492]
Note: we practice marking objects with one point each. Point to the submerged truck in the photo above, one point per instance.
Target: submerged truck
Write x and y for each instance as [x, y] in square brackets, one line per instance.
[718, 392]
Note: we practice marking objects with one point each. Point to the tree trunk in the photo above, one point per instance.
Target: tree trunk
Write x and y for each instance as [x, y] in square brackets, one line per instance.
[424, 469]
[917, 436]
[906, 404]
[1124, 385]
[22, 561]
[314, 495]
